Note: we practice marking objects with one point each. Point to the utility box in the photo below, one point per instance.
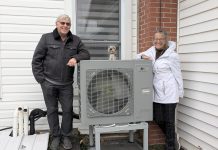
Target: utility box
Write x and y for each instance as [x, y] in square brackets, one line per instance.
[119, 91]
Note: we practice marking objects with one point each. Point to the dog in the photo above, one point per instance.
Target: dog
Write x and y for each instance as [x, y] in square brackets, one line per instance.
[112, 51]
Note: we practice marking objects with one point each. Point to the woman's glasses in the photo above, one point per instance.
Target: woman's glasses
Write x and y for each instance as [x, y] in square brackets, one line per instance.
[161, 39]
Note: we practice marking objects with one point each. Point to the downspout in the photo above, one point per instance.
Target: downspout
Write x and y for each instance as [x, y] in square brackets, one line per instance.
[160, 15]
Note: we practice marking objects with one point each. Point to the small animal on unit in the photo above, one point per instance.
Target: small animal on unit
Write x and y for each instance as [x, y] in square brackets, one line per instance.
[112, 51]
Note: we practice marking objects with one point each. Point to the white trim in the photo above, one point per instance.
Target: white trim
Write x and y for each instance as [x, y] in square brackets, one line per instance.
[0, 68]
[177, 49]
[178, 19]
[126, 29]
[137, 48]
[126, 25]
[70, 9]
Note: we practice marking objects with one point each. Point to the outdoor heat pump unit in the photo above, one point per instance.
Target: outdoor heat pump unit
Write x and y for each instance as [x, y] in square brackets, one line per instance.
[117, 91]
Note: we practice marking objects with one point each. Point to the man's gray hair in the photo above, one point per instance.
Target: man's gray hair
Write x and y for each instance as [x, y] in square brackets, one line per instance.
[63, 17]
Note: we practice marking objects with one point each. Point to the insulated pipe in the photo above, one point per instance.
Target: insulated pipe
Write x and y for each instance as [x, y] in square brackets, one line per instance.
[35, 114]
[20, 121]
[32, 124]
[15, 123]
[25, 120]
[38, 113]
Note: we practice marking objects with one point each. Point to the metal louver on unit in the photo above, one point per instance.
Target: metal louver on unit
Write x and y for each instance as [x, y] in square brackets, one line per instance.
[109, 92]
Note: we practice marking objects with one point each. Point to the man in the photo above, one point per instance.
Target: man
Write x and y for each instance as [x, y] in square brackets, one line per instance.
[53, 64]
[168, 84]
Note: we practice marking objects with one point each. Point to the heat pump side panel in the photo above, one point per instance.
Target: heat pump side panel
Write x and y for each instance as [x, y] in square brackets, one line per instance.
[143, 92]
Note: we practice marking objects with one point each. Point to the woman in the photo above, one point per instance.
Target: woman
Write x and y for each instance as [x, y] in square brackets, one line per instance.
[167, 83]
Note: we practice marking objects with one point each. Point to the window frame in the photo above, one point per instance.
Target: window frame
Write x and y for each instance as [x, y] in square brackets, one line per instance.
[125, 27]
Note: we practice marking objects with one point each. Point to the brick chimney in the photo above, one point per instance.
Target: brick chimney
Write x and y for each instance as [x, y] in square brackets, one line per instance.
[153, 15]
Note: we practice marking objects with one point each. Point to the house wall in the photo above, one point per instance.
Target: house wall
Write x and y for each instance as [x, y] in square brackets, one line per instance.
[154, 15]
[21, 26]
[197, 45]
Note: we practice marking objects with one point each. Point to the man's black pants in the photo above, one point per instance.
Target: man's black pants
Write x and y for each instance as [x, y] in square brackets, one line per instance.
[164, 116]
[64, 94]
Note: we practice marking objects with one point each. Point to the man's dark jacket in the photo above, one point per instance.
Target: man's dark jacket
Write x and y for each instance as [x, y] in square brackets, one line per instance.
[52, 55]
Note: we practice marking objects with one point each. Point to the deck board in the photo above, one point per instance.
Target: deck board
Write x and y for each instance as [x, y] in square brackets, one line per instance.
[4, 138]
[30, 142]
[13, 143]
[41, 142]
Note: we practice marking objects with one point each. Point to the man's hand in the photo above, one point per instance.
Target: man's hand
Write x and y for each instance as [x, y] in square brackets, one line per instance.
[72, 62]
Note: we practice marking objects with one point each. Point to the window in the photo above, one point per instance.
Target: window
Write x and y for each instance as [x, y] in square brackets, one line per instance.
[98, 25]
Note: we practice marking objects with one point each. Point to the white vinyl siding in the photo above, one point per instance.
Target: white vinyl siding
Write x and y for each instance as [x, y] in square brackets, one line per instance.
[22, 22]
[197, 116]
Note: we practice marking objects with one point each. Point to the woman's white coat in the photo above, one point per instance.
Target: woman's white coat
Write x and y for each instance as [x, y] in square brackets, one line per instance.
[167, 82]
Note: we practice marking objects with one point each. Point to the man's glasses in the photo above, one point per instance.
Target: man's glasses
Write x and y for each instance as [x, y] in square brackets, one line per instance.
[63, 23]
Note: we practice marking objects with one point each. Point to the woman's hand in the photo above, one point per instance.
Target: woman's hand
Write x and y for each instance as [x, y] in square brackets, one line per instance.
[145, 57]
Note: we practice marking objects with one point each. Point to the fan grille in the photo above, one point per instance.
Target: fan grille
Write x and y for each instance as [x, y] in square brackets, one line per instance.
[109, 91]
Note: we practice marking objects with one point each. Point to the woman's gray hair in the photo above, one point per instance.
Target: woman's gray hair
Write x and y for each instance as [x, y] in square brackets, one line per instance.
[63, 17]
[162, 32]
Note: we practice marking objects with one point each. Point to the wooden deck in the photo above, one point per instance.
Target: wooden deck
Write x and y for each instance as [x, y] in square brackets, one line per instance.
[30, 142]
